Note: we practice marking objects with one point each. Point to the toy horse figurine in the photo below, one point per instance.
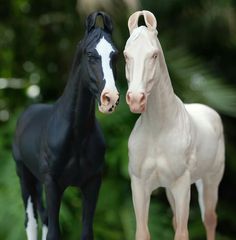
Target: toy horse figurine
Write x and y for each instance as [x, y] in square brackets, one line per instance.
[62, 145]
[172, 144]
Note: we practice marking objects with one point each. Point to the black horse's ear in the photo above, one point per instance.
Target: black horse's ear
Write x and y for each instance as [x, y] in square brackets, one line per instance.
[91, 21]
[108, 26]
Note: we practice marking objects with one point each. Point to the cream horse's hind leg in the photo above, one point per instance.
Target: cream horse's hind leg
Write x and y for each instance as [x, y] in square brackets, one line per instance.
[181, 194]
[141, 200]
[208, 193]
[208, 197]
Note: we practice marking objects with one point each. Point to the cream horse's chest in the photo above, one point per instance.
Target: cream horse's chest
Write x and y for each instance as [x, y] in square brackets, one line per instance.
[154, 160]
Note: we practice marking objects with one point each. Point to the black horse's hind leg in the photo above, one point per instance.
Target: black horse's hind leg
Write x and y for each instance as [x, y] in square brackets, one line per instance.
[42, 211]
[90, 195]
[53, 200]
[29, 194]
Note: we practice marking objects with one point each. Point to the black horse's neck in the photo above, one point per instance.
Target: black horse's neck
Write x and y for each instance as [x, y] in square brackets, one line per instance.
[77, 105]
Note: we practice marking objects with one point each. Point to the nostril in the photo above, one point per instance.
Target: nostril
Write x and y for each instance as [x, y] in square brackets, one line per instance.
[128, 98]
[142, 99]
[108, 99]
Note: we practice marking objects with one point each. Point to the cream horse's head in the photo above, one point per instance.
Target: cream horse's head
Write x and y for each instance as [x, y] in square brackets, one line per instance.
[142, 60]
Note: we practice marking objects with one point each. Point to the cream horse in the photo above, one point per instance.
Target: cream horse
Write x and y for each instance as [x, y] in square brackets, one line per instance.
[172, 144]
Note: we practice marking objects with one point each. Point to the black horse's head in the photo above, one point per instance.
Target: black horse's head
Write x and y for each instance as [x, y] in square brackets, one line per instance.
[99, 57]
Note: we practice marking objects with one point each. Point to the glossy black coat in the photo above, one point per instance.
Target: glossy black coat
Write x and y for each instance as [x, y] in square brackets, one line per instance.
[60, 145]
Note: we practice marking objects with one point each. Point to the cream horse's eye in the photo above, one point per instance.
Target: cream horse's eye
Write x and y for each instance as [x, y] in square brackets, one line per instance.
[155, 55]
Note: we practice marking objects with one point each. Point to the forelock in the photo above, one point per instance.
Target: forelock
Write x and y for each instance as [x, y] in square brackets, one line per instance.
[93, 37]
[136, 33]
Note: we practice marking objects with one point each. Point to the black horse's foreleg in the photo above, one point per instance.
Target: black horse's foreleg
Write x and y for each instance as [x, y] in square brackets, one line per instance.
[29, 195]
[90, 195]
[53, 200]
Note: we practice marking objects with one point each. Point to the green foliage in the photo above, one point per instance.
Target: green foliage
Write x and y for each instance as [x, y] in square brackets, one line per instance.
[36, 47]
[10, 202]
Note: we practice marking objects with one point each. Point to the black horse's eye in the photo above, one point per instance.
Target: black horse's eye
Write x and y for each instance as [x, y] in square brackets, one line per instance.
[90, 54]
[92, 57]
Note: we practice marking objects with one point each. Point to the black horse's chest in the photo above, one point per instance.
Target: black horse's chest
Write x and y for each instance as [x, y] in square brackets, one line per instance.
[71, 173]
[82, 162]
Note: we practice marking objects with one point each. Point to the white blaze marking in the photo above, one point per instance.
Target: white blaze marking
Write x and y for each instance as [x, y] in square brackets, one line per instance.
[44, 232]
[104, 49]
[31, 228]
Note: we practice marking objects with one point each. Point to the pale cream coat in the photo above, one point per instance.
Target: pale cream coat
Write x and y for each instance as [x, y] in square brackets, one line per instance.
[172, 144]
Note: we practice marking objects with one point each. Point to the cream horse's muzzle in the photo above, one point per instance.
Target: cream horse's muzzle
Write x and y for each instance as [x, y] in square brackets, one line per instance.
[137, 101]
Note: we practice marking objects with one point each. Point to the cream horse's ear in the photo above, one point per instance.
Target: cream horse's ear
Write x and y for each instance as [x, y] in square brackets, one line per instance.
[133, 21]
[149, 19]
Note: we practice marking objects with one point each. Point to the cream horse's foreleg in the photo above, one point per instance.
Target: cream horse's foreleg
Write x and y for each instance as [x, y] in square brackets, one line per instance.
[171, 200]
[181, 194]
[141, 200]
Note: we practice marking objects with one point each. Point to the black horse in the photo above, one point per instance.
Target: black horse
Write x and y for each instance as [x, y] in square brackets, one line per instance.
[60, 145]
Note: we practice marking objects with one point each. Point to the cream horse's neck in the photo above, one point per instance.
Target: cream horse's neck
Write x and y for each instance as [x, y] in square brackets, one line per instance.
[163, 105]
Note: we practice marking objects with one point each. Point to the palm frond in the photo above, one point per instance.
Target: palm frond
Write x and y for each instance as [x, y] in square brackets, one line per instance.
[195, 81]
